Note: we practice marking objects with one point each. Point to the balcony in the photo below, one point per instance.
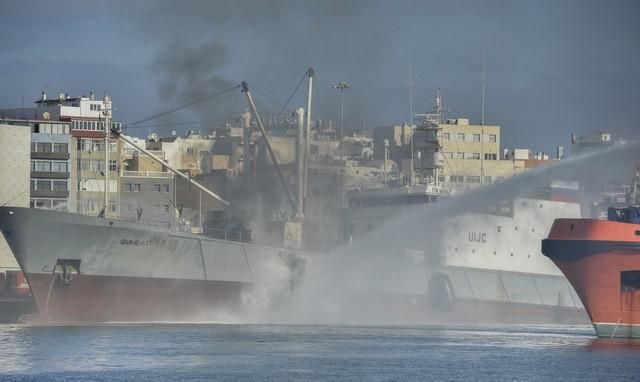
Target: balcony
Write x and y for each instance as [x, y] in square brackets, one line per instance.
[147, 174]
[48, 155]
[49, 175]
[49, 194]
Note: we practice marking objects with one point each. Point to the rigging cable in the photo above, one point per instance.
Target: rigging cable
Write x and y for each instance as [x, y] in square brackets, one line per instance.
[277, 103]
[294, 92]
[133, 124]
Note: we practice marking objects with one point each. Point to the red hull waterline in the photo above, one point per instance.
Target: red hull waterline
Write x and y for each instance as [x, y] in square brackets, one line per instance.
[100, 299]
[601, 259]
[129, 299]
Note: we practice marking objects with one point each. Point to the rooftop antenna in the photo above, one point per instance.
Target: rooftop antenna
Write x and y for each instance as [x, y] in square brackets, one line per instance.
[484, 80]
[437, 107]
[411, 83]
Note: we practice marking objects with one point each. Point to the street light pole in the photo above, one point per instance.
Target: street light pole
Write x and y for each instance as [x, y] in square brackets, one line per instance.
[341, 85]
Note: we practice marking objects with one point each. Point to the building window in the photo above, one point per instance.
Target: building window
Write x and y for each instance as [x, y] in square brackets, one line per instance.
[113, 165]
[85, 206]
[33, 185]
[84, 164]
[59, 185]
[136, 187]
[59, 167]
[475, 156]
[165, 188]
[60, 205]
[43, 203]
[476, 137]
[97, 165]
[487, 180]
[488, 156]
[43, 147]
[461, 137]
[128, 187]
[447, 154]
[43, 166]
[473, 179]
[492, 137]
[156, 188]
[458, 155]
[446, 136]
[60, 148]
[43, 185]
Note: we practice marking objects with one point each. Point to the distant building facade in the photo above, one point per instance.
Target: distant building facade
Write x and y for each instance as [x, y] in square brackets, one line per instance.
[14, 177]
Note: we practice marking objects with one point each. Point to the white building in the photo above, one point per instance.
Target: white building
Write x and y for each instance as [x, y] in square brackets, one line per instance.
[14, 178]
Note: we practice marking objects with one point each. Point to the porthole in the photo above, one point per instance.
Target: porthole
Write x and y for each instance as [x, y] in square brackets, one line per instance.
[499, 228]
[511, 254]
[516, 228]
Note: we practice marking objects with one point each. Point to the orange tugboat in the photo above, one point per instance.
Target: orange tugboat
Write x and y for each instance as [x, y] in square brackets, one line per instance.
[601, 259]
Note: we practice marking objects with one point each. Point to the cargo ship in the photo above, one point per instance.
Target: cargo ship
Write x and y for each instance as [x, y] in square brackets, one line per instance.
[91, 269]
[107, 269]
[601, 259]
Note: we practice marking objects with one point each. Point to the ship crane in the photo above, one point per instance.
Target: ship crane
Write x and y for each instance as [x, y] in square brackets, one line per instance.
[267, 141]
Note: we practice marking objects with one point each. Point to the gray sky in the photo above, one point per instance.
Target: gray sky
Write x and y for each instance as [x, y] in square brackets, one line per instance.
[552, 67]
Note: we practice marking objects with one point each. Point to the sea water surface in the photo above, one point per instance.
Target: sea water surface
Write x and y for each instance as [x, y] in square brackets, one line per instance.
[163, 352]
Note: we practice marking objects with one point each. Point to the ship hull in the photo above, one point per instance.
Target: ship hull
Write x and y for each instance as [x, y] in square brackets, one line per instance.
[86, 269]
[601, 259]
[125, 299]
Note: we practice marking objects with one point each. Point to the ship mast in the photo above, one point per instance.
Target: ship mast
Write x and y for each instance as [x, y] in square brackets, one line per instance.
[635, 198]
[267, 141]
[107, 128]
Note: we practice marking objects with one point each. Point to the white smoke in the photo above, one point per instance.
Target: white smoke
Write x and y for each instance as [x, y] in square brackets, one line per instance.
[367, 281]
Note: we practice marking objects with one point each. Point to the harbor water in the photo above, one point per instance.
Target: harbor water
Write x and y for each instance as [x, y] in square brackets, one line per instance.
[164, 352]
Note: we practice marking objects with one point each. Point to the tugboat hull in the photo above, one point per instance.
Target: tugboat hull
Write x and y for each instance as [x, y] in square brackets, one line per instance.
[601, 259]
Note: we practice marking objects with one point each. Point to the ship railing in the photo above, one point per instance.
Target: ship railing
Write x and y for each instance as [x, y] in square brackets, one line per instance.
[147, 222]
[147, 174]
[224, 234]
